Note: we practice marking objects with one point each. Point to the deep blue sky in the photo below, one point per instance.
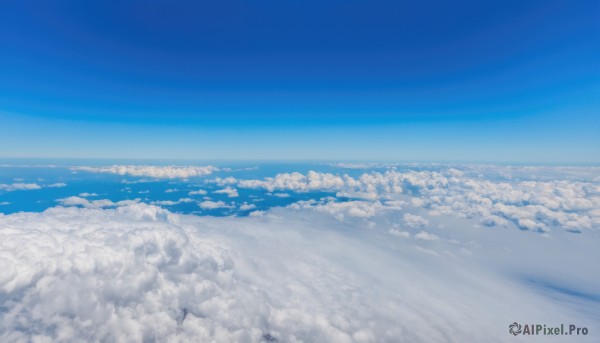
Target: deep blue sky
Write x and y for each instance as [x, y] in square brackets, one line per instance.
[419, 80]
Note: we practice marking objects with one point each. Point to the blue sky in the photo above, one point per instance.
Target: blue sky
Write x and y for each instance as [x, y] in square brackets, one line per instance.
[513, 81]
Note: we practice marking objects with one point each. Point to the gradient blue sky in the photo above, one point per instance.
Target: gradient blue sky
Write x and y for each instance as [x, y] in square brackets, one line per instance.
[512, 81]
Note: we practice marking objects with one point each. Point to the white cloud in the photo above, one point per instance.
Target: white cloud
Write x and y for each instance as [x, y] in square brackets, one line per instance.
[247, 207]
[102, 203]
[57, 185]
[198, 192]
[171, 202]
[280, 195]
[160, 172]
[231, 192]
[426, 236]
[86, 194]
[19, 186]
[4, 203]
[211, 205]
[529, 198]
[414, 221]
[140, 273]
[171, 190]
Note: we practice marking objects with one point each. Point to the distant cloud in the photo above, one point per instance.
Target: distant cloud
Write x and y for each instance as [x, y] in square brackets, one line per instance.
[86, 194]
[211, 205]
[247, 207]
[19, 186]
[159, 172]
[28, 186]
[103, 203]
[470, 191]
[171, 202]
[198, 192]
[231, 192]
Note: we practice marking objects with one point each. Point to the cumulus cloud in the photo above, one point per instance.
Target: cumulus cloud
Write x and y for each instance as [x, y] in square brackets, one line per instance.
[19, 186]
[198, 192]
[159, 172]
[86, 194]
[102, 203]
[171, 202]
[139, 273]
[528, 198]
[413, 220]
[231, 192]
[211, 205]
[247, 207]
[426, 236]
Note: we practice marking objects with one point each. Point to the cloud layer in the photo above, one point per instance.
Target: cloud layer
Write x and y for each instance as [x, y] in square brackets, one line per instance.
[136, 272]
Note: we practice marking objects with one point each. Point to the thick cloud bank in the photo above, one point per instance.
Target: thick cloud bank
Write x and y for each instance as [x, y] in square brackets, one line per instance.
[159, 172]
[138, 273]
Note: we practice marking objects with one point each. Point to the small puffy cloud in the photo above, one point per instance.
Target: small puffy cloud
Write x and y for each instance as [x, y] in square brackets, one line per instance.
[171, 202]
[86, 194]
[230, 180]
[198, 192]
[102, 203]
[280, 195]
[19, 186]
[414, 221]
[4, 203]
[231, 192]
[247, 207]
[426, 236]
[211, 205]
[171, 190]
[159, 172]
[57, 185]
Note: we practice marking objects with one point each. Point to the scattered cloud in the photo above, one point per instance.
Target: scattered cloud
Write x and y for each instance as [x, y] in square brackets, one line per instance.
[19, 186]
[86, 194]
[159, 172]
[231, 192]
[211, 205]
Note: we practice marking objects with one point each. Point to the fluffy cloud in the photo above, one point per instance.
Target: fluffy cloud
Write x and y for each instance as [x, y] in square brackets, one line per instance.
[159, 172]
[247, 207]
[231, 192]
[86, 194]
[138, 273]
[171, 202]
[211, 205]
[198, 192]
[28, 186]
[102, 203]
[529, 198]
[19, 186]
